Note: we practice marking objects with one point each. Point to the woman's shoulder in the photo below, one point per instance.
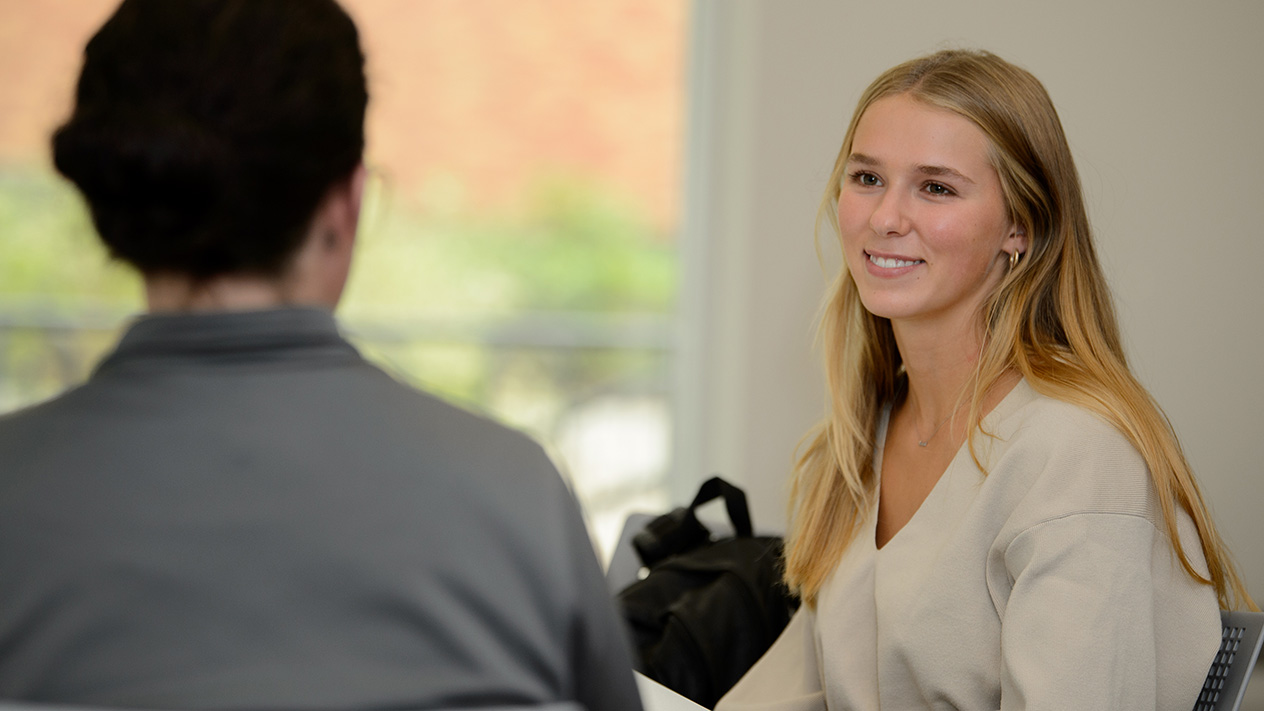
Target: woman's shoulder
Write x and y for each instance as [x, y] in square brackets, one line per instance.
[1066, 459]
[1037, 422]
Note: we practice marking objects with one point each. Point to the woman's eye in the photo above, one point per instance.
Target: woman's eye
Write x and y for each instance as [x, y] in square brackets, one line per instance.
[868, 180]
[938, 189]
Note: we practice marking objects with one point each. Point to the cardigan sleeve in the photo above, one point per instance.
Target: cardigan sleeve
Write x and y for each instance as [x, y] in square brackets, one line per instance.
[1083, 626]
[787, 677]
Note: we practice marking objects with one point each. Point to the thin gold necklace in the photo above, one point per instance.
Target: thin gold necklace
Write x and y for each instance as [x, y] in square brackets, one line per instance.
[924, 442]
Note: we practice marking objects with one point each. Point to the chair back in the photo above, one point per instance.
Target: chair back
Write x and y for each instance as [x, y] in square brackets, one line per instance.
[1240, 638]
[625, 565]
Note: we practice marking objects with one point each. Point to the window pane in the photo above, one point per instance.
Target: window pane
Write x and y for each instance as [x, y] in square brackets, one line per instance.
[517, 251]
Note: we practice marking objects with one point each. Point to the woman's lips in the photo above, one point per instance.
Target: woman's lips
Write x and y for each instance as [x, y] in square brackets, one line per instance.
[892, 262]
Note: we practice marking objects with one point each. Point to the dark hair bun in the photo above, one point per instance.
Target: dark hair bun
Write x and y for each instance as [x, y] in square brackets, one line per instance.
[160, 175]
[205, 132]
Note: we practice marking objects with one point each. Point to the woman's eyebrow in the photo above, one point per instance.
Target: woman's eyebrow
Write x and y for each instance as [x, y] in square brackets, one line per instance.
[930, 170]
[863, 159]
[943, 171]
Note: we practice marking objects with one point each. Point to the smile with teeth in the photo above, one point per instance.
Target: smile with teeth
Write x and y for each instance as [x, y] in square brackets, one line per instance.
[886, 263]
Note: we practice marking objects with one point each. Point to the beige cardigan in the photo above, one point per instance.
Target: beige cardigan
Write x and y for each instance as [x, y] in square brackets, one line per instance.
[1049, 584]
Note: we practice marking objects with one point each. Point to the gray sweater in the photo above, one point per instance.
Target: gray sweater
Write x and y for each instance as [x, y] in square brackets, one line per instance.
[238, 511]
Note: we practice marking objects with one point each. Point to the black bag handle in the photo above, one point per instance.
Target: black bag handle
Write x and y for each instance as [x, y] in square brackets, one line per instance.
[734, 502]
[679, 530]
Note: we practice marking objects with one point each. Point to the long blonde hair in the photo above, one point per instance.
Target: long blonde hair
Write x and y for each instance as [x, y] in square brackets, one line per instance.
[1051, 319]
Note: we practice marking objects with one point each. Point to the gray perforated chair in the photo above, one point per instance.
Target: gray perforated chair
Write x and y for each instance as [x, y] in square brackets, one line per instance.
[1240, 637]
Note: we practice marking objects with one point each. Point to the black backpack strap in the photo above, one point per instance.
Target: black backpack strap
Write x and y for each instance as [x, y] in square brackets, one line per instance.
[734, 501]
[671, 534]
[679, 530]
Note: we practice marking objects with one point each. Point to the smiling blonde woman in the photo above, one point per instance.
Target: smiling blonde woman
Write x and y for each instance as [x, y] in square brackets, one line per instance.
[995, 513]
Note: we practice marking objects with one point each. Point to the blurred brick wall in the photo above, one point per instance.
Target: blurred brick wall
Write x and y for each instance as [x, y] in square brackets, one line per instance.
[41, 46]
[492, 93]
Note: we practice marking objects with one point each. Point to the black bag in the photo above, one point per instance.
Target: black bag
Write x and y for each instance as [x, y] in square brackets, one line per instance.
[708, 610]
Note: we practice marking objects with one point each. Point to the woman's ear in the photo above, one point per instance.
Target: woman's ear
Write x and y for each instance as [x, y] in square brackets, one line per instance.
[1017, 240]
[342, 206]
[320, 268]
[356, 183]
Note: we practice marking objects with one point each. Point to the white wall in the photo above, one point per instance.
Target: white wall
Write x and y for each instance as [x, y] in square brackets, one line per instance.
[1162, 102]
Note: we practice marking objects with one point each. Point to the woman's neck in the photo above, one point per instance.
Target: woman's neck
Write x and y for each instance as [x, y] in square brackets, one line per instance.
[940, 367]
[179, 293]
[314, 275]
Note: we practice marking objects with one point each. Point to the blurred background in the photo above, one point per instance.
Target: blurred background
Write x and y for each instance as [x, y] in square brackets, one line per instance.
[519, 243]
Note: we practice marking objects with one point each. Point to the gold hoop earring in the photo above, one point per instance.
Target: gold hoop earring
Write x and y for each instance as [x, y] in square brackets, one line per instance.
[1013, 259]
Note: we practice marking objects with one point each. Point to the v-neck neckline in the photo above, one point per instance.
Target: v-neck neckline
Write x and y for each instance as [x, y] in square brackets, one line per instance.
[1019, 394]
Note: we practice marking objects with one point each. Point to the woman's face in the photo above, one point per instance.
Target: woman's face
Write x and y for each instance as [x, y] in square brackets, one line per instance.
[921, 214]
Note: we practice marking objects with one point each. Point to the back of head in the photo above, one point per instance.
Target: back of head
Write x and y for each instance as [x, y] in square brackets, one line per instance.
[206, 132]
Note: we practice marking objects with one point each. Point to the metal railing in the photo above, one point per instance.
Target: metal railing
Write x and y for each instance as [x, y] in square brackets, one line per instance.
[579, 365]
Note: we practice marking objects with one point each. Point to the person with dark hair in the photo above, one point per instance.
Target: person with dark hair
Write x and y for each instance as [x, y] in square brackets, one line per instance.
[236, 510]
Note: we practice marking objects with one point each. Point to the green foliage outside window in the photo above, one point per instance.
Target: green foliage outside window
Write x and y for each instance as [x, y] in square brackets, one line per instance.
[461, 300]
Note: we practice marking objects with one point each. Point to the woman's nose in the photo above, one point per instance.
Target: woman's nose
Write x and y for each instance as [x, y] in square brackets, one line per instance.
[889, 217]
